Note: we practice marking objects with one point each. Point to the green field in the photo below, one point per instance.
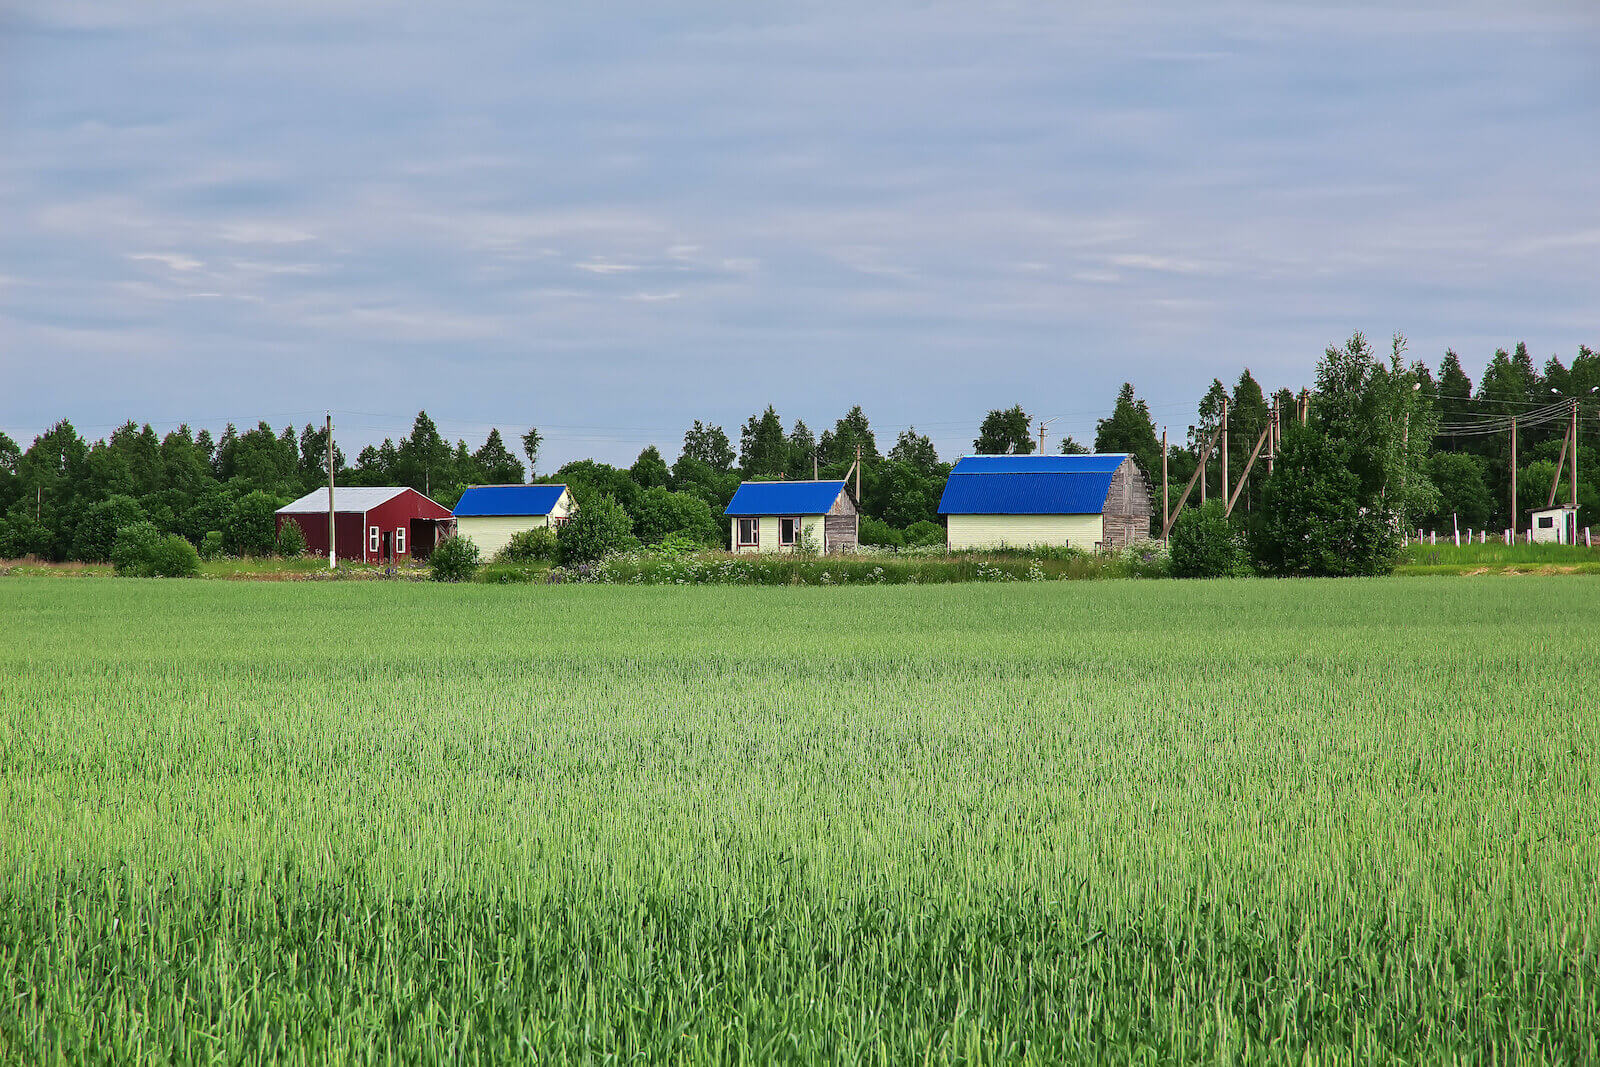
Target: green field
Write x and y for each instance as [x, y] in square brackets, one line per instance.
[1093, 821]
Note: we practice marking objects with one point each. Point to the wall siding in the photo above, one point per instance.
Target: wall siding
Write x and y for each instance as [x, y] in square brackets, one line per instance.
[1023, 531]
[1128, 506]
[769, 533]
[491, 533]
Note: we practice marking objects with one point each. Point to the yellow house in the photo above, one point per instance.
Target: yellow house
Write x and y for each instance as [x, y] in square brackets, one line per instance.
[1098, 501]
[488, 515]
[786, 516]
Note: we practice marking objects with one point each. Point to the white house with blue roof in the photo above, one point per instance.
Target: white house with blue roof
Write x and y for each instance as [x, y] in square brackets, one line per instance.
[488, 515]
[1096, 501]
[781, 516]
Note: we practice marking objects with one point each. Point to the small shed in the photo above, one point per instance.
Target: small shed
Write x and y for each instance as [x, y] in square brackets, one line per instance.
[781, 516]
[488, 515]
[372, 524]
[1556, 525]
[1094, 501]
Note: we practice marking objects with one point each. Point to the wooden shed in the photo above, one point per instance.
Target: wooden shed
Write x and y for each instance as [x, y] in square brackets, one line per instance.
[781, 516]
[1095, 501]
[383, 524]
[488, 515]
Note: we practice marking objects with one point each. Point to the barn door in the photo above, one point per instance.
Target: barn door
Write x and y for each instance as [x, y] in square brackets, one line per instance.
[388, 546]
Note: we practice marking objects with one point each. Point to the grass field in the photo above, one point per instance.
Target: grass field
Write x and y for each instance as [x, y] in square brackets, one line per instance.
[1098, 821]
[1445, 558]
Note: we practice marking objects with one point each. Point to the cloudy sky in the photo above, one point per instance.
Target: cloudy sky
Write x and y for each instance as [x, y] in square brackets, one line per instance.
[611, 219]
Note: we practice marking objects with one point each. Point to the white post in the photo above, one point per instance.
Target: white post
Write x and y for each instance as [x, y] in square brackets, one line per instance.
[1433, 537]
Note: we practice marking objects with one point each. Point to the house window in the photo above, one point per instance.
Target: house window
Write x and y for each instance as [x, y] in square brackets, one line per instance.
[1547, 522]
[787, 530]
[374, 539]
[399, 540]
[749, 533]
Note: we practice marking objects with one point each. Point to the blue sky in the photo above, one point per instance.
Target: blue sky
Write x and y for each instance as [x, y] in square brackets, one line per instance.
[609, 220]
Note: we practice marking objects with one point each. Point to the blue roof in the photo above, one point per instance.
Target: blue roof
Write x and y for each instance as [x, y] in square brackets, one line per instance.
[1106, 463]
[1029, 485]
[784, 498]
[509, 500]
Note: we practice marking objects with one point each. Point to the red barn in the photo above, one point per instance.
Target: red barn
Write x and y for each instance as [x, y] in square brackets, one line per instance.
[376, 525]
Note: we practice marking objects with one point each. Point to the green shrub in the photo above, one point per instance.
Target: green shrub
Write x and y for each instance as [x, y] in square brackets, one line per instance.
[252, 525]
[102, 521]
[677, 545]
[877, 532]
[659, 514]
[455, 559]
[596, 530]
[925, 533]
[526, 546]
[291, 540]
[175, 557]
[1312, 519]
[211, 546]
[1205, 545]
[140, 551]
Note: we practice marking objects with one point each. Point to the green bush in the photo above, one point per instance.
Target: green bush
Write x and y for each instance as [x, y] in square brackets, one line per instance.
[175, 557]
[140, 551]
[1312, 519]
[925, 533]
[101, 523]
[596, 530]
[527, 546]
[455, 559]
[291, 540]
[211, 546]
[877, 532]
[660, 514]
[252, 525]
[1205, 545]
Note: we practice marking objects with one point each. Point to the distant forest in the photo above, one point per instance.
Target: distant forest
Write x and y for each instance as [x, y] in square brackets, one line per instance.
[1448, 438]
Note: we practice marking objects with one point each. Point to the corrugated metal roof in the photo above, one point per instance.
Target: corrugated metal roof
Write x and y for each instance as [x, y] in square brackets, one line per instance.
[1100, 463]
[784, 498]
[346, 498]
[1029, 485]
[509, 500]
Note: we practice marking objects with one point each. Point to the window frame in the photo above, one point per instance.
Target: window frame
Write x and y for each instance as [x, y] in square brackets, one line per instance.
[755, 531]
[1547, 522]
[399, 540]
[374, 539]
[793, 522]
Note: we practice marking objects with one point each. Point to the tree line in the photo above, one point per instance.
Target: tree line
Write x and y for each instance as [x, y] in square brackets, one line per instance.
[1422, 450]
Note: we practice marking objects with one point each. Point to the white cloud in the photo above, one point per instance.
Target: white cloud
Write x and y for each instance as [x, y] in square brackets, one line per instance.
[171, 260]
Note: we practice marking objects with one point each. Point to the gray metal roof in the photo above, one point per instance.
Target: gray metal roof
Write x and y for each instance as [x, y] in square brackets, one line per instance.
[345, 498]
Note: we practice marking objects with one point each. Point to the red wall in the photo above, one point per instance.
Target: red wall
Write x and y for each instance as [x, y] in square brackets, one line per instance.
[351, 529]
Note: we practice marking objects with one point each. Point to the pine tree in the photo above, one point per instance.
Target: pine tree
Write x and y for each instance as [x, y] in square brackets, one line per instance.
[763, 448]
[495, 460]
[802, 451]
[838, 445]
[1130, 429]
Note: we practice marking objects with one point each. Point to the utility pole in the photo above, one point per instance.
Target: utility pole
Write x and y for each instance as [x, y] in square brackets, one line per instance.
[1305, 406]
[1272, 437]
[1225, 449]
[1165, 519]
[1042, 424]
[1574, 470]
[858, 476]
[331, 523]
[813, 464]
[1513, 479]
